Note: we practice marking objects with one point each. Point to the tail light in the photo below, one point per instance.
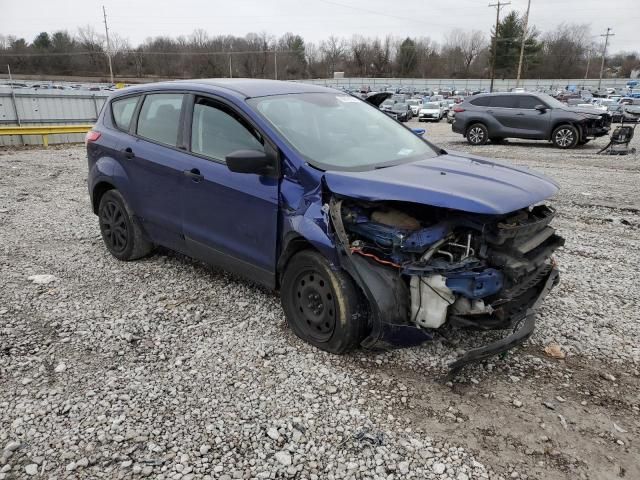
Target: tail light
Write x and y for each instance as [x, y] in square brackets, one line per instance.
[458, 109]
[91, 136]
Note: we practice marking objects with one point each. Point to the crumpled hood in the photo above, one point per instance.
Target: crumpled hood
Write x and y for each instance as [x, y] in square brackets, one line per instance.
[454, 180]
[586, 111]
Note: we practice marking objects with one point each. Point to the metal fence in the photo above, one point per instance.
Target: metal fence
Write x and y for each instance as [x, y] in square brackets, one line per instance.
[466, 83]
[39, 108]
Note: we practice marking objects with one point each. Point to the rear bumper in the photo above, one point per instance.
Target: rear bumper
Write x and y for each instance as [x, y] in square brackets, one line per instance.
[456, 127]
[523, 331]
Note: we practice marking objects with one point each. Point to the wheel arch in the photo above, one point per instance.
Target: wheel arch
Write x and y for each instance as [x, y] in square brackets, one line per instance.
[99, 190]
[559, 123]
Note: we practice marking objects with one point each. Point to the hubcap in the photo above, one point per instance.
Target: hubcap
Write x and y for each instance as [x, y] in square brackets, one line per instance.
[476, 135]
[114, 226]
[564, 137]
[315, 306]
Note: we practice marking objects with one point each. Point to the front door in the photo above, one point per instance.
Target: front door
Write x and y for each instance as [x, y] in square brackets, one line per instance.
[229, 219]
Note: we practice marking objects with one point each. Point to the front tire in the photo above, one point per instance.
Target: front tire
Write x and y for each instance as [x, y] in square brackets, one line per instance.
[565, 137]
[322, 305]
[477, 134]
[121, 234]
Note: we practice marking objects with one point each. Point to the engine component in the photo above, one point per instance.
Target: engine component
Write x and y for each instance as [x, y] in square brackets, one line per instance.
[475, 284]
[395, 218]
[430, 299]
[465, 306]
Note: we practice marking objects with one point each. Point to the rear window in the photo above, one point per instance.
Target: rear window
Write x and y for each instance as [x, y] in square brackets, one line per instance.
[122, 111]
[160, 118]
[504, 101]
[481, 101]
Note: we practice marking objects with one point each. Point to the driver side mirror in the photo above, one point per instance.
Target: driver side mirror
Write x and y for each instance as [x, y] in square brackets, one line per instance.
[250, 161]
[541, 108]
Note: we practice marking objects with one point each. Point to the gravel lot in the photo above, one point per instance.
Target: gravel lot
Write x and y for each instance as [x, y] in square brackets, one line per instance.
[165, 368]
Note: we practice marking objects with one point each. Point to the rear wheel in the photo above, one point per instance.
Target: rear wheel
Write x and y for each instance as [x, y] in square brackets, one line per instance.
[322, 305]
[477, 134]
[121, 234]
[565, 136]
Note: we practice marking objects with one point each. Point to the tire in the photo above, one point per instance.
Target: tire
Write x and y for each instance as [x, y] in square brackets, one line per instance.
[477, 134]
[584, 142]
[565, 137]
[496, 140]
[121, 233]
[322, 306]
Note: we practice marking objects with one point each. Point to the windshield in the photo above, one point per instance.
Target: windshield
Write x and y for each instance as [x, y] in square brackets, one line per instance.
[550, 101]
[340, 132]
[431, 106]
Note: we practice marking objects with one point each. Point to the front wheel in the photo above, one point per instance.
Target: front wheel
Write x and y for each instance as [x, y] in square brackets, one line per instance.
[322, 305]
[565, 136]
[477, 134]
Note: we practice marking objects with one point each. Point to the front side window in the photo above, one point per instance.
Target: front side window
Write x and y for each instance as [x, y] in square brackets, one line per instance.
[216, 131]
[123, 111]
[159, 118]
[339, 132]
[528, 102]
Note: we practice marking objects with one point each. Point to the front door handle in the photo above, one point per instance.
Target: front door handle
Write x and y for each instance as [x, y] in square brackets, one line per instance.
[128, 152]
[520, 114]
[194, 174]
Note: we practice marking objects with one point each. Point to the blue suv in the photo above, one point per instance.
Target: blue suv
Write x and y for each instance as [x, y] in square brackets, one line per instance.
[372, 235]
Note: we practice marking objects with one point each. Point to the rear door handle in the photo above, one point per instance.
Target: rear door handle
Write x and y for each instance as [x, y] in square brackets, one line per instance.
[520, 114]
[128, 153]
[194, 174]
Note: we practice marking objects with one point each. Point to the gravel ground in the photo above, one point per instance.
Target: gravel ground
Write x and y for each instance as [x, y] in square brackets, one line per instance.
[165, 368]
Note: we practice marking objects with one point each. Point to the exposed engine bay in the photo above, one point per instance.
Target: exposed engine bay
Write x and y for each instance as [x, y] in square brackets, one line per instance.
[479, 271]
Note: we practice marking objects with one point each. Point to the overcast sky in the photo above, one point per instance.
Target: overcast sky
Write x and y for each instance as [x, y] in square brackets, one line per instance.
[313, 19]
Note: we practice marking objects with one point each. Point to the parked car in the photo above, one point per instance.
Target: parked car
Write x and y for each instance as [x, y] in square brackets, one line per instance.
[400, 111]
[415, 104]
[431, 111]
[451, 114]
[321, 196]
[527, 115]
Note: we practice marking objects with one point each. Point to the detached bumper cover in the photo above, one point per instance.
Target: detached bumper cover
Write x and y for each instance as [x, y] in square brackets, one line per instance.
[524, 330]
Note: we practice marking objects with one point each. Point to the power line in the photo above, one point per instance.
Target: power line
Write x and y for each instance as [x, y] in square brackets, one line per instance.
[498, 6]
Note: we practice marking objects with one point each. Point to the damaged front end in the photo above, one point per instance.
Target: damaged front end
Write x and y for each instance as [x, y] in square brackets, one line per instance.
[422, 267]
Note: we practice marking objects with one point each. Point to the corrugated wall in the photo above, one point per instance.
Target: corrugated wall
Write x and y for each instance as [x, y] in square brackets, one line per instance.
[59, 108]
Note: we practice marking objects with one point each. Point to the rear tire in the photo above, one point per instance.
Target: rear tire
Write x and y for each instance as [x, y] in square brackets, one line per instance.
[322, 305]
[477, 134]
[121, 233]
[565, 137]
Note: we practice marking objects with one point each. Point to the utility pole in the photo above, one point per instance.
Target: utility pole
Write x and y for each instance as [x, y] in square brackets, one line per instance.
[495, 39]
[275, 64]
[106, 30]
[604, 53]
[524, 39]
[586, 73]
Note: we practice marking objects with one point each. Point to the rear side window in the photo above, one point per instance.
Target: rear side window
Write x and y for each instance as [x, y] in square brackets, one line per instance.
[217, 131]
[481, 102]
[504, 101]
[123, 111]
[159, 118]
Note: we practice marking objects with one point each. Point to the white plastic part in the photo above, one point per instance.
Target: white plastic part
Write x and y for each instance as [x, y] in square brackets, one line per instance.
[430, 299]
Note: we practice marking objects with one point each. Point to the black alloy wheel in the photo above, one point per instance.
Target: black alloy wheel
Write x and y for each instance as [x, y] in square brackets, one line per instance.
[113, 226]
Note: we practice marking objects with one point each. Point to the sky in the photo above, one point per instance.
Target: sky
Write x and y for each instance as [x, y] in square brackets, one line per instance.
[313, 19]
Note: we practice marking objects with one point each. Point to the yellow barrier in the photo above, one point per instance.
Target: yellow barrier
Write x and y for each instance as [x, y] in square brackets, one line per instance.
[45, 130]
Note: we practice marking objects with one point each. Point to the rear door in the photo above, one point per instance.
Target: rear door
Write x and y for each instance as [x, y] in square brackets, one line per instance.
[503, 109]
[154, 159]
[229, 219]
